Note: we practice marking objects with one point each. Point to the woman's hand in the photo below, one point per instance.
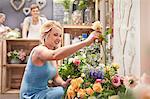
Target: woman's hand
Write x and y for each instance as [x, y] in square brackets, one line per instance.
[66, 83]
[94, 35]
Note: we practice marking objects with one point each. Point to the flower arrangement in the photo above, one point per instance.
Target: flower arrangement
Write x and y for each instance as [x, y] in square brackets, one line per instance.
[99, 83]
[17, 54]
[92, 80]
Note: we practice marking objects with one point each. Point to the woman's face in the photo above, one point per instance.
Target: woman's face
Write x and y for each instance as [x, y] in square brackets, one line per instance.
[53, 38]
[35, 12]
[2, 19]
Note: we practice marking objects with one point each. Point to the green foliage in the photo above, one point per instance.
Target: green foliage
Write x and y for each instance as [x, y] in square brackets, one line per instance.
[82, 4]
[66, 4]
[89, 58]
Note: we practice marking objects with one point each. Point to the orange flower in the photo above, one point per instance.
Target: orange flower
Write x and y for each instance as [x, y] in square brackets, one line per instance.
[81, 93]
[97, 87]
[75, 84]
[80, 80]
[89, 91]
[70, 93]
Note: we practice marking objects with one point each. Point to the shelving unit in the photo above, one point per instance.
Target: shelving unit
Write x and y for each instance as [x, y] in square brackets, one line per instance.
[12, 73]
[77, 30]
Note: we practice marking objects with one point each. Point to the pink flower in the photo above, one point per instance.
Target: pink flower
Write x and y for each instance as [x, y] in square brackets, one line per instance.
[76, 62]
[22, 55]
[99, 81]
[116, 80]
[130, 81]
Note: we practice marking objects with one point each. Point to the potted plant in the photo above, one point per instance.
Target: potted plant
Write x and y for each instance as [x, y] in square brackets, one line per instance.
[66, 4]
[16, 56]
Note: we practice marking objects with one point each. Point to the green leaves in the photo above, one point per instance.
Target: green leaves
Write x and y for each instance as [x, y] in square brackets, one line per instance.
[82, 4]
[66, 4]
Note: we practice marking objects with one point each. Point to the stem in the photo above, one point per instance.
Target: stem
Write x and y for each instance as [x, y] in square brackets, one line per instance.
[127, 31]
[104, 51]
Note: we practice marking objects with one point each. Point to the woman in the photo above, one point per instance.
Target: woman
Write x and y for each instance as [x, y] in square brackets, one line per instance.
[32, 23]
[38, 70]
[3, 29]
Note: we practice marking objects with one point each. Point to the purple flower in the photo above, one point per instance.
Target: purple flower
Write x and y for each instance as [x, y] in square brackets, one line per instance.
[91, 73]
[100, 75]
[96, 74]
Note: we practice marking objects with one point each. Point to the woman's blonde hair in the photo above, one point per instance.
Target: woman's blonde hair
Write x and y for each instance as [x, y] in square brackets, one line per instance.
[2, 15]
[46, 27]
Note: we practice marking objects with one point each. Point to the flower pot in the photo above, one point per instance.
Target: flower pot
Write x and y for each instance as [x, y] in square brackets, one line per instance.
[15, 61]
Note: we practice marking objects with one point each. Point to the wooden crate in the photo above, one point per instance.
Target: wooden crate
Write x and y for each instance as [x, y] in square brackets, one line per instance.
[1, 45]
[12, 73]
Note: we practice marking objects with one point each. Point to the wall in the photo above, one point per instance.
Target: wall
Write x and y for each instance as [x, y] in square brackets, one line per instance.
[14, 18]
[126, 42]
[145, 36]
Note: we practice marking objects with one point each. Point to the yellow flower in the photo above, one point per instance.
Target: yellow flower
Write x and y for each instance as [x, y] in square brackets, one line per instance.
[89, 91]
[81, 93]
[115, 65]
[97, 26]
[106, 68]
[97, 87]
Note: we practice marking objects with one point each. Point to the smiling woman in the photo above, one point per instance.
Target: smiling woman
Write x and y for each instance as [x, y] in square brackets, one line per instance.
[42, 63]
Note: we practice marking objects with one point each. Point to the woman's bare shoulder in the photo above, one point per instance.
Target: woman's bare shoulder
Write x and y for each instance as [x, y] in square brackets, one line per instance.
[40, 48]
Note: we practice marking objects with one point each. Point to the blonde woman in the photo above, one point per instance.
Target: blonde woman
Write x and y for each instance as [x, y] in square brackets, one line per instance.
[3, 29]
[42, 64]
[32, 24]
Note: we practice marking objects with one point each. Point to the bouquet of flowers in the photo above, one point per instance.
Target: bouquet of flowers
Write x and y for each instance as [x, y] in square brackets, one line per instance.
[17, 54]
[99, 83]
[92, 80]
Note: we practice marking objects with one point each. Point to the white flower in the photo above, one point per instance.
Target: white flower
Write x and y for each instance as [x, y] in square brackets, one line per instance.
[92, 97]
[82, 75]
[97, 26]
[70, 60]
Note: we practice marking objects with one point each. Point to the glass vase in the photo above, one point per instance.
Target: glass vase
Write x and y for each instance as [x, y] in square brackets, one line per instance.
[88, 16]
[66, 17]
[77, 17]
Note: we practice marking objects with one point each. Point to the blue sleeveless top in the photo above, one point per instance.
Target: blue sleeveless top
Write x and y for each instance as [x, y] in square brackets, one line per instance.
[36, 78]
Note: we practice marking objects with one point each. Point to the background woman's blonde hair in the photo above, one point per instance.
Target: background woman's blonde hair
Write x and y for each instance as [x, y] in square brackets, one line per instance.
[46, 27]
[2, 15]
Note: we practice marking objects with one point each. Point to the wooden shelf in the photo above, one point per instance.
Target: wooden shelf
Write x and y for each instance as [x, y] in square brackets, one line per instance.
[12, 91]
[77, 26]
[76, 30]
[15, 65]
[12, 73]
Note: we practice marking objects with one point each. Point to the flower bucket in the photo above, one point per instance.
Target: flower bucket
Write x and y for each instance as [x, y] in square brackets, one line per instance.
[15, 61]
